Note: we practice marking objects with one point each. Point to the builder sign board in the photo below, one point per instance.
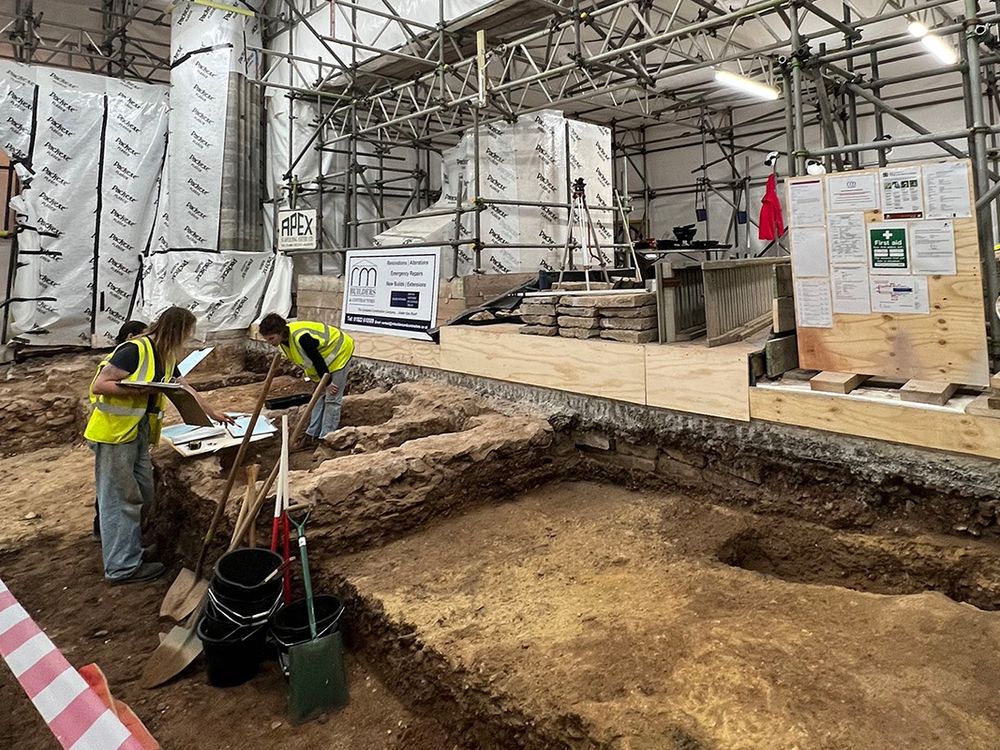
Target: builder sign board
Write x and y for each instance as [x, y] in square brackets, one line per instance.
[296, 229]
[392, 292]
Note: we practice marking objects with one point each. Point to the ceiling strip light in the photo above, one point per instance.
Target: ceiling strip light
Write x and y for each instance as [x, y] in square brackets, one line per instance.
[747, 85]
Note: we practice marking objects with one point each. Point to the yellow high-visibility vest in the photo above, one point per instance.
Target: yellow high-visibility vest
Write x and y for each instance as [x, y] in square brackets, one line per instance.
[115, 419]
[335, 346]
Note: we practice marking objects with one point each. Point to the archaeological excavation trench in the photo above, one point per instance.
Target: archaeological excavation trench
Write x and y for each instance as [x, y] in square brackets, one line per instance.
[517, 577]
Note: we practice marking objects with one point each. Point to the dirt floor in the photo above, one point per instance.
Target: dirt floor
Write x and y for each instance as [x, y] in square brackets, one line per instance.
[50, 562]
[608, 616]
[494, 604]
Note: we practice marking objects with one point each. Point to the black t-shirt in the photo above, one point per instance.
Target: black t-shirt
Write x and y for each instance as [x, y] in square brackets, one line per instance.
[310, 345]
[126, 358]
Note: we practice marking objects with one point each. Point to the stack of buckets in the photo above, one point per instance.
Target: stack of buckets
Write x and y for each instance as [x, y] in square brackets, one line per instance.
[233, 628]
[242, 609]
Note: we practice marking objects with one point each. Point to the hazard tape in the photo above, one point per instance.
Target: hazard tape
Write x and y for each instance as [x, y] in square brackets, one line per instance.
[77, 716]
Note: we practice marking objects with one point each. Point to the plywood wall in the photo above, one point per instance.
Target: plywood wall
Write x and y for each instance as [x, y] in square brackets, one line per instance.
[949, 344]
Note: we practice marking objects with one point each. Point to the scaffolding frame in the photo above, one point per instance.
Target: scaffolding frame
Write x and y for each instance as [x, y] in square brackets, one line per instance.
[632, 65]
[132, 40]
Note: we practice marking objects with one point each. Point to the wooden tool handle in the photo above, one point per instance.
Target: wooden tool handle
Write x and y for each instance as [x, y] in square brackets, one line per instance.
[231, 480]
[300, 427]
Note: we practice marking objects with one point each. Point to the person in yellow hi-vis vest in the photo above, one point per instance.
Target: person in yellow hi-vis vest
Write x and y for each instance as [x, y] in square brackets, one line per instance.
[130, 329]
[124, 423]
[318, 349]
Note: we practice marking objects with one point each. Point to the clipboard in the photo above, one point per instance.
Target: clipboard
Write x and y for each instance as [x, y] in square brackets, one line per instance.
[186, 404]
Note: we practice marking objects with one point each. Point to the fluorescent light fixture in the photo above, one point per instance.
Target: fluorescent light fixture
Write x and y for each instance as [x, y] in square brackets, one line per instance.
[938, 47]
[934, 44]
[747, 85]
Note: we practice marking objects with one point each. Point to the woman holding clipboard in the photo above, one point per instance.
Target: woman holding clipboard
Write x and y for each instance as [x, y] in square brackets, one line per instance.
[124, 423]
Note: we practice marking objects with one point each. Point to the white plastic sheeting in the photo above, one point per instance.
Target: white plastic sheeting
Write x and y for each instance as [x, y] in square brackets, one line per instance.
[199, 86]
[61, 202]
[94, 205]
[129, 197]
[207, 43]
[525, 161]
[224, 289]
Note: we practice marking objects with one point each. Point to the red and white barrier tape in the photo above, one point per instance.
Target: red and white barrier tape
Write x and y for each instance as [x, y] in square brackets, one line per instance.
[76, 715]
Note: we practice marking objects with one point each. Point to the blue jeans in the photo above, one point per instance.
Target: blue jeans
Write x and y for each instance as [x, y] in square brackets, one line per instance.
[325, 417]
[124, 474]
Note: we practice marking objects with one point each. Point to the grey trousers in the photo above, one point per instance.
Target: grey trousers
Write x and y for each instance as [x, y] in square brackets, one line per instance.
[325, 417]
[124, 477]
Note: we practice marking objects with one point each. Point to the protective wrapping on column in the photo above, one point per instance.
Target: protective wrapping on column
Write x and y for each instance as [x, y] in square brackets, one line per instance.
[531, 161]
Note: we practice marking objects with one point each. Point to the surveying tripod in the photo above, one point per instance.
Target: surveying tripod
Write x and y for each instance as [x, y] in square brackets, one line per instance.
[581, 221]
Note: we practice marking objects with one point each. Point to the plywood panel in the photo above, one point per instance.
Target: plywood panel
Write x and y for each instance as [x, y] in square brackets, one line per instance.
[947, 345]
[396, 349]
[596, 368]
[694, 378]
[938, 427]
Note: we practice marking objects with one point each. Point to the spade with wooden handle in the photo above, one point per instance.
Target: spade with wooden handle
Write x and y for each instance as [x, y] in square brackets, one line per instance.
[189, 587]
[181, 646]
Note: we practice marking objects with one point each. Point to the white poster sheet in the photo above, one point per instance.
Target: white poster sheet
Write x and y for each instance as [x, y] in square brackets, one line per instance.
[392, 292]
[946, 189]
[851, 292]
[805, 199]
[809, 254]
[902, 193]
[813, 305]
[853, 192]
[932, 248]
[847, 239]
[900, 295]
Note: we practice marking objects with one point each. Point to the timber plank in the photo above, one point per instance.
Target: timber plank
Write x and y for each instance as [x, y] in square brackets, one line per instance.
[927, 392]
[920, 425]
[593, 367]
[836, 382]
[698, 379]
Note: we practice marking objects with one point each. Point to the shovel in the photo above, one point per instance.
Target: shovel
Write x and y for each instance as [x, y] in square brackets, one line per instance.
[181, 646]
[189, 587]
[317, 677]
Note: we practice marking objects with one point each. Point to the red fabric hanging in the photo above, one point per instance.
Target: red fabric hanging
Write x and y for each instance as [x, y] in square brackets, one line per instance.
[772, 223]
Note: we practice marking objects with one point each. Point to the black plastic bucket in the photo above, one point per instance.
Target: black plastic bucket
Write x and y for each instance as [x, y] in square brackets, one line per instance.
[232, 655]
[239, 576]
[244, 613]
[290, 625]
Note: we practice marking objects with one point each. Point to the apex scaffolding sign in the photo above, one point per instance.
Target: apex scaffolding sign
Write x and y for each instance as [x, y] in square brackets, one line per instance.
[296, 229]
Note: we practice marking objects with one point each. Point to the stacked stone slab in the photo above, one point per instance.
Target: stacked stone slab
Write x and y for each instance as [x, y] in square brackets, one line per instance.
[628, 317]
[539, 316]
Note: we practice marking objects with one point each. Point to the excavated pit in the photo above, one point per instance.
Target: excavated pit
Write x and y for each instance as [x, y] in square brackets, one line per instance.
[510, 592]
[962, 571]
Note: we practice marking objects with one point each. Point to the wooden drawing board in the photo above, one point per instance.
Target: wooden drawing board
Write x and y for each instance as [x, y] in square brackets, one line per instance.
[947, 345]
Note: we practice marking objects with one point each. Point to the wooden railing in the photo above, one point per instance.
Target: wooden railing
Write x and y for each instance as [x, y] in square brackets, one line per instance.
[738, 297]
[680, 300]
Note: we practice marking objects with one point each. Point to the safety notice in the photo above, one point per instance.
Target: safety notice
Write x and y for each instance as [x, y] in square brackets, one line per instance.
[888, 248]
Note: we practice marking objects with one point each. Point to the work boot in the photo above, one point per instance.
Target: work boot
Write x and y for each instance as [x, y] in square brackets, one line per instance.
[148, 571]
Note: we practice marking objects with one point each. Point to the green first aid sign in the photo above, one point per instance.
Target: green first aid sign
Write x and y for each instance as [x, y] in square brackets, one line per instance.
[888, 247]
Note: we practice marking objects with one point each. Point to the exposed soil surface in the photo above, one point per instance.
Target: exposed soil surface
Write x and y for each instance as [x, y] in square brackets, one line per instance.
[584, 615]
[493, 605]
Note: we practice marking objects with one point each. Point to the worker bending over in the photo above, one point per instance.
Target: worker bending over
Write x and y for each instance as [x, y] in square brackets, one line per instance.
[318, 349]
[124, 423]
